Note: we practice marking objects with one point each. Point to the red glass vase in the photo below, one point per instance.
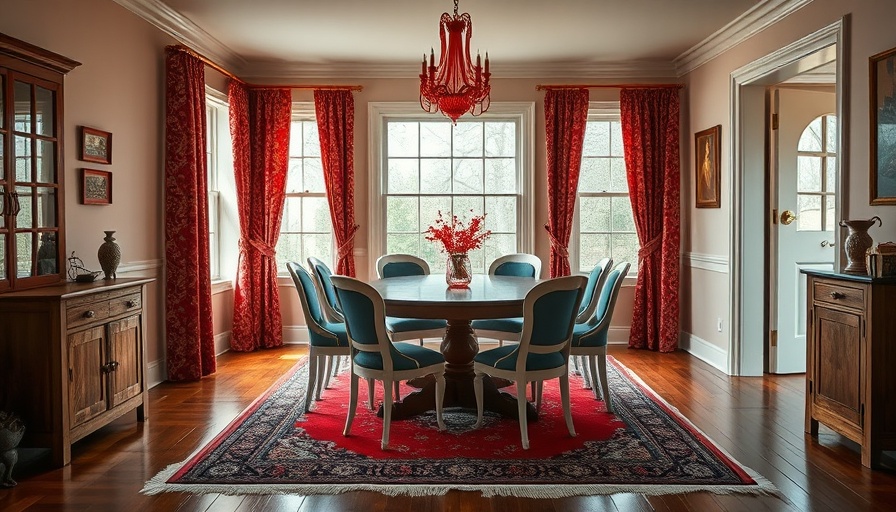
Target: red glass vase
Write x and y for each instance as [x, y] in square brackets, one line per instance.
[459, 271]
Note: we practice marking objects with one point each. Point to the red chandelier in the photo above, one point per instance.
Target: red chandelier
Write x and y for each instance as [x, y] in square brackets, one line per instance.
[456, 86]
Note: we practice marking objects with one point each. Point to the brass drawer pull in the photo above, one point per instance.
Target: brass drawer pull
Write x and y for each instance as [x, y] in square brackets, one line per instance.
[89, 313]
[837, 295]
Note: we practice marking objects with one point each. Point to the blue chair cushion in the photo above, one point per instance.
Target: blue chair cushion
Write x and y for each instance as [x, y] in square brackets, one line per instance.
[405, 356]
[402, 268]
[581, 337]
[325, 341]
[516, 269]
[504, 358]
[396, 324]
[500, 324]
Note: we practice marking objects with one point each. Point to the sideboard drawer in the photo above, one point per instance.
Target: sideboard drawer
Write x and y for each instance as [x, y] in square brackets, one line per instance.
[82, 312]
[830, 292]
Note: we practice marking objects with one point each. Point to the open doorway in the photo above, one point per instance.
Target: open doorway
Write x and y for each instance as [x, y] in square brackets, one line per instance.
[751, 241]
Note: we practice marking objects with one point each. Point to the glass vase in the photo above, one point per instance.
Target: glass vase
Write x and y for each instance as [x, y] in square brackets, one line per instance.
[459, 272]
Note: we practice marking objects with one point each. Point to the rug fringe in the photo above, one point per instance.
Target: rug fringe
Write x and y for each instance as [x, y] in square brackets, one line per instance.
[158, 484]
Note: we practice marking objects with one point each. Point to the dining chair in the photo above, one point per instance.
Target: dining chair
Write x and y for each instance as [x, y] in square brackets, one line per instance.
[326, 339]
[329, 305]
[589, 339]
[376, 356]
[402, 329]
[549, 313]
[508, 329]
[596, 279]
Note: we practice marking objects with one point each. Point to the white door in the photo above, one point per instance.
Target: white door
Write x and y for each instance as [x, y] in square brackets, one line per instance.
[804, 169]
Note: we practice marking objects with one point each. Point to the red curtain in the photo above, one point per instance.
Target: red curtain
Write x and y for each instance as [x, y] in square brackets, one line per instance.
[565, 114]
[651, 139]
[259, 127]
[189, 337]
[335, 112]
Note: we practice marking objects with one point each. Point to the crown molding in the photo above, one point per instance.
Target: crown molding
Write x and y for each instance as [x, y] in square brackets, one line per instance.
[185, 31]
[757, 19]
[268, 71]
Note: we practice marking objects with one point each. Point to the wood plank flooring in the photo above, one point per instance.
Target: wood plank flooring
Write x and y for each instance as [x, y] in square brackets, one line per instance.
[758, 420]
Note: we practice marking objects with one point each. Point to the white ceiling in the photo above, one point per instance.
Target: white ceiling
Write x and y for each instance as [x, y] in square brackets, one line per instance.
[306, 39]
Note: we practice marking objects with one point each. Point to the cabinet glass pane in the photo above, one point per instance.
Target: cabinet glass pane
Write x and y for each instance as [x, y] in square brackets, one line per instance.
[46, 161]
[47, 254]
[24, 250]
[2, 207]
[25, 219]
[44, 106]
[46, 207]
[22, 104]
[2, 157]
[22, 155]
[3, 275]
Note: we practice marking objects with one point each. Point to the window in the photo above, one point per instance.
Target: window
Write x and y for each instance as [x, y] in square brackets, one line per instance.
[817, 175]
[211, 162]
[473, 167]
[306, 229]
[605, 226]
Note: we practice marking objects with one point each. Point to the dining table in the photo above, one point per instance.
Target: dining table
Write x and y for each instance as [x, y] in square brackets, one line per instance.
[428, 296]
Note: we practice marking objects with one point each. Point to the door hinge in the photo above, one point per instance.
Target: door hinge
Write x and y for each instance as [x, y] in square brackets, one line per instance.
[774, 121]
[773, 338]
[774, 216]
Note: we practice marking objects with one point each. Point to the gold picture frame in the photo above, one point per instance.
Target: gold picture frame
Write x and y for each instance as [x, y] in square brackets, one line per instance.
[707, 175]
[882, 80]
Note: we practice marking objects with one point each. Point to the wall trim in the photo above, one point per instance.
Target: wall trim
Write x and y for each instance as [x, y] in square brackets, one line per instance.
[757, 19]
[156, 373]
[295, 334]
[139, 266]
[708, 262]
[222, 342]
[704, 351]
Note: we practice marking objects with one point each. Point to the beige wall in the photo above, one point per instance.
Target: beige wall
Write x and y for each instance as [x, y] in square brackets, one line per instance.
[705, 290]
[117, 88]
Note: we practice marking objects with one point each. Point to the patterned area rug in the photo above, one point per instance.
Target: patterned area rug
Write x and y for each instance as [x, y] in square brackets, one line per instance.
[645, 447]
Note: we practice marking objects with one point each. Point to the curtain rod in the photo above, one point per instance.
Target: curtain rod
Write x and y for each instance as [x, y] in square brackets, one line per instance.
[541, 87]
[208, 62]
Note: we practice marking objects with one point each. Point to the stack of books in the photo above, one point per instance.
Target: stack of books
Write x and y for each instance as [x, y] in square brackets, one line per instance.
[882, 260]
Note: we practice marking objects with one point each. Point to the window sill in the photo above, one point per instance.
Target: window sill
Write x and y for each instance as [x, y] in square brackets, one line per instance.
[221, 286]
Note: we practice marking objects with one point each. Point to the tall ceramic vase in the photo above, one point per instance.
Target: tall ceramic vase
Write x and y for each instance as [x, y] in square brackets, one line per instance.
[109, 255]
[858, 241]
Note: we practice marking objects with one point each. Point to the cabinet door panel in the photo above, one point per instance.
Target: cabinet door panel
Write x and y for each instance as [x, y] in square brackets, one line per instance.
[87, 390]
[838, 364]
[124, 348]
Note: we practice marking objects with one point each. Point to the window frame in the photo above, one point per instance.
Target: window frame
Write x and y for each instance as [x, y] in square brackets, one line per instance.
[826, 195]
[597, 111]
[379, 113]
[215, 104]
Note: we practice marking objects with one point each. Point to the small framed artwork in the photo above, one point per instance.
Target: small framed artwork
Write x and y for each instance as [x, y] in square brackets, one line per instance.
[96, 145]
[883, 127]
[708, 149]
[96, 187]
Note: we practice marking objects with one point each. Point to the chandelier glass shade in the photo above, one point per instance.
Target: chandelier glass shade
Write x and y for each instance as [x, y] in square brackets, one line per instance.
[456, 86]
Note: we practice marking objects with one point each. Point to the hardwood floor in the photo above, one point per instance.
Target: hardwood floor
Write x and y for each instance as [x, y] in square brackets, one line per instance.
[758, 420]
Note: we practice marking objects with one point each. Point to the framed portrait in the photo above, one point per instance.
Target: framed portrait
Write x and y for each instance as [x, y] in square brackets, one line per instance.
[708, 149]
[883, 127]
[96, 145]
[96, 187]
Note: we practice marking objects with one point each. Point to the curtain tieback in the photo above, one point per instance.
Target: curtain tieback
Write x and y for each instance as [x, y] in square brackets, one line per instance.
[263, 248]
[345, 248]
[556, 245]
[650, 247]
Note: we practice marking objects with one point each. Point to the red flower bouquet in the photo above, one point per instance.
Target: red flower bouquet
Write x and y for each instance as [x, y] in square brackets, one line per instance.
[455, 237]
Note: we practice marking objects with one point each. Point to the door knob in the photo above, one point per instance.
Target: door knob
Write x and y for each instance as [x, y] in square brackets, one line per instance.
[825, 243]
[787, 217]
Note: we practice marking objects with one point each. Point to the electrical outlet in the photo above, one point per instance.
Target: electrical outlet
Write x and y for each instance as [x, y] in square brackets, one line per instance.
[719, 327]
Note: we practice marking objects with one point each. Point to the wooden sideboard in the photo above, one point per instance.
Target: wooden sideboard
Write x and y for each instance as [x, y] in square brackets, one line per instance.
[72, 359]
[850, 359]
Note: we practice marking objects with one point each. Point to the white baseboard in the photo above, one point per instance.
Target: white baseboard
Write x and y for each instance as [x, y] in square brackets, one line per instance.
[222, 343]
[156, 373]
[704, 351]
[618, 335]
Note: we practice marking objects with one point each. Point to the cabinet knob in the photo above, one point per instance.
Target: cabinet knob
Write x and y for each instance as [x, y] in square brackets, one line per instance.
[89, 313]
[131, 303]
[837, 295]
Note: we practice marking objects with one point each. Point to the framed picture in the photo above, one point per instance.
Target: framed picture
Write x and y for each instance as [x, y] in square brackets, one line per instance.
[96, 187]
[708, 149]
[96, 145]
[883, 127]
